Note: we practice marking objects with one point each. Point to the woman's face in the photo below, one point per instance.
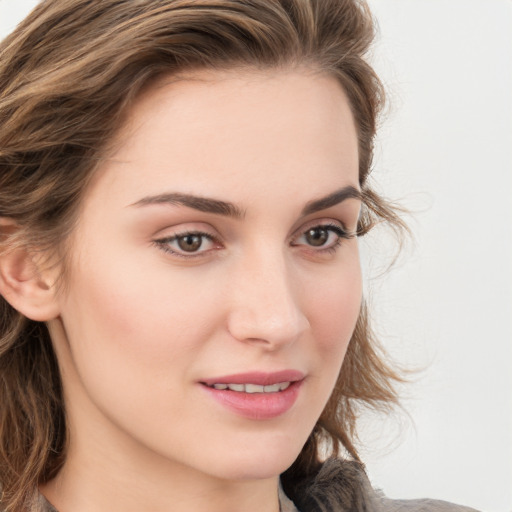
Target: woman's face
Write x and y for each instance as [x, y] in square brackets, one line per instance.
[214, 278]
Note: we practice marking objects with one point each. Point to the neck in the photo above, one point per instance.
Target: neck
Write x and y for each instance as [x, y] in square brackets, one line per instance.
[89, 486]
[108, 473]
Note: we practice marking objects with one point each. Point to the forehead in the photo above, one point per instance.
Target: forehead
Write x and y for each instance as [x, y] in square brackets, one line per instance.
[237, 129]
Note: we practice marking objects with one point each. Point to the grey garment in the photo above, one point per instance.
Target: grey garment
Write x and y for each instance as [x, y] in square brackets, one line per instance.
[352, 493]
[41, 504]
[343, 486]
[425, 505]
[285, 503]
[388, 505]
[381, 504]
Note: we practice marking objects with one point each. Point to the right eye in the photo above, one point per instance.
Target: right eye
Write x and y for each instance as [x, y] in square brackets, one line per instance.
[187, 245]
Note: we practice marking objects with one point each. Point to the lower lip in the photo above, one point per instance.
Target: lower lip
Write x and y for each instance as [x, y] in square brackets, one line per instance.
[257, 406]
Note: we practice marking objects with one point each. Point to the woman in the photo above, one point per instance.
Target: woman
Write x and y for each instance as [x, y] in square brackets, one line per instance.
[182, 185]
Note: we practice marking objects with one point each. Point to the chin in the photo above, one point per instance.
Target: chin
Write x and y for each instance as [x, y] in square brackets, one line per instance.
[261, 463]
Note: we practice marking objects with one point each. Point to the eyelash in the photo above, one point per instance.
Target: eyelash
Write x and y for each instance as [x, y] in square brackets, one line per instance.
[342, 234]
[163, 243]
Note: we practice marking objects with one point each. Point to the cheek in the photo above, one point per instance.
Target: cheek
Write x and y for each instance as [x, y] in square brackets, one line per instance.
[133, 338]
[137, 310]
[335, 308]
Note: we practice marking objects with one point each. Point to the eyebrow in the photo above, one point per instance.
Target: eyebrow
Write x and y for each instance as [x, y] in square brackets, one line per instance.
[331, 200]
[209, 205]
[202, 204]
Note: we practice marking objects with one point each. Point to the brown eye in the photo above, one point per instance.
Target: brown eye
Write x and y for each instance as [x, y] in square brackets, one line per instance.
[323, 237]
[190, 243]
[316, 237]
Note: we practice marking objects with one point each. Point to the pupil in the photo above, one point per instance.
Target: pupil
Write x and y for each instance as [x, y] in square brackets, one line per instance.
[317, 236]
[190, 243]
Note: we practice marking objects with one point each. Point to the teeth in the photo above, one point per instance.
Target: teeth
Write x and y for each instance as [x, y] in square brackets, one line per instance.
[253, 388]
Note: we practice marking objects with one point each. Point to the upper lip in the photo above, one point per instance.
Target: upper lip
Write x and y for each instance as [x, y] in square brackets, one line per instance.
[258, 377]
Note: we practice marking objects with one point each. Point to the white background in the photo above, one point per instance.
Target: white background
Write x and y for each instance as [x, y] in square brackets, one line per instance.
[445, 151]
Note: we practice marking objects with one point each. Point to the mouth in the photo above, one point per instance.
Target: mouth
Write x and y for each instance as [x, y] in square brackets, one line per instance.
[256, 395]
[252, 388]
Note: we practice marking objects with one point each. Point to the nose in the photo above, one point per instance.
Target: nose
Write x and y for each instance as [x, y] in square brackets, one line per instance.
[266, 304]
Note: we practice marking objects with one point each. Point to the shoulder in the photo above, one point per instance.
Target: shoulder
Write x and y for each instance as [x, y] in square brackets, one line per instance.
[342, 486]
[424, 505]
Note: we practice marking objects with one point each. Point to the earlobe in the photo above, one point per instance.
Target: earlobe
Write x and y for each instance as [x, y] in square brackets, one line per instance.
[28, 288]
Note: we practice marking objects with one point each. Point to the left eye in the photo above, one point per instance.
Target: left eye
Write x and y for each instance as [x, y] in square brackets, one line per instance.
[324, 236]
[187, 243]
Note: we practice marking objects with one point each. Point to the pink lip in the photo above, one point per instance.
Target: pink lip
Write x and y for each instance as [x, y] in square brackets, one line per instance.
[259, 378]
[257, 406]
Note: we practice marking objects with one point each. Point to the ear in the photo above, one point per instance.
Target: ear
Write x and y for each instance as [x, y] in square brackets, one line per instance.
[27, 287]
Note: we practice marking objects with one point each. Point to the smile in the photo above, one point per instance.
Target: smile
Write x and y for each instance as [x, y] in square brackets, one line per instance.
[256, 395]
[253, 388]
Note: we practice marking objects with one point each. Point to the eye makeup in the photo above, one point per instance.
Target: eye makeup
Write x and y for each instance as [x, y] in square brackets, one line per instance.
[323, 237]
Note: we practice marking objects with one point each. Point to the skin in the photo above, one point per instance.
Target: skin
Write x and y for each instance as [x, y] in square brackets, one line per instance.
[139, 327]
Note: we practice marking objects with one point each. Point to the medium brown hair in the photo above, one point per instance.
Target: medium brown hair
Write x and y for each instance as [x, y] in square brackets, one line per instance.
[68, 75]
